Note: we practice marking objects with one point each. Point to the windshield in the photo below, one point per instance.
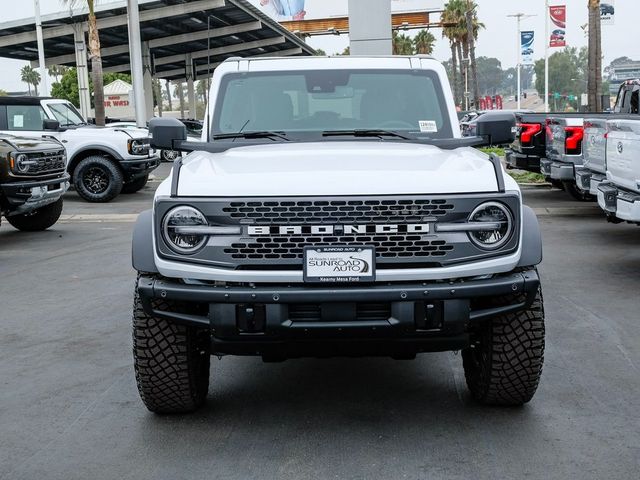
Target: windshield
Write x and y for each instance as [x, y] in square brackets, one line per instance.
[66, 114]
[317, 101]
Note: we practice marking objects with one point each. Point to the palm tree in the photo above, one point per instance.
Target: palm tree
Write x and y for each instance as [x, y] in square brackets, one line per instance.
[31, 77]
[594, 82]
[56, 71]
[167, 86]
[96, 59]
[402, 45]
[473, 26]
[423, 42]
[451, 31]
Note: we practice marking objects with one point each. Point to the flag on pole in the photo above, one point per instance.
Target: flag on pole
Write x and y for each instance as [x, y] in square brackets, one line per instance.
[558, 15]
[526, 47]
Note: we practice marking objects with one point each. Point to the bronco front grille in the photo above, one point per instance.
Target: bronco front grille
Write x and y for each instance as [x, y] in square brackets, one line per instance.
[389, 246]
[309, 211]
[48, 162]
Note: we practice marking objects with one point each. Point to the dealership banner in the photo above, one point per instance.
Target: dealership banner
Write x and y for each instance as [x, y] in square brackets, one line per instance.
[558, 15]
[526, 47]
[608, 12]
[287, 10]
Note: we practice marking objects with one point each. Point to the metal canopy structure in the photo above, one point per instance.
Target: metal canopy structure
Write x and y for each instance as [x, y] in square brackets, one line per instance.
[171, 29]
[181, 39]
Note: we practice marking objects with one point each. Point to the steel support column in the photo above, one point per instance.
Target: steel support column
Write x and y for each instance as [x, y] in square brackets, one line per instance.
[44, 79]
[370, 27]
[82, 70]
[135, 54]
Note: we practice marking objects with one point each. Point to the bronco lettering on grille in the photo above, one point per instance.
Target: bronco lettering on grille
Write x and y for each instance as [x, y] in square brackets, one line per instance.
[258, 230]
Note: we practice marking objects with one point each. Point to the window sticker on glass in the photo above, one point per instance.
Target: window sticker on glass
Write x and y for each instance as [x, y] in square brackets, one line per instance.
[18, 121]
[428, 126]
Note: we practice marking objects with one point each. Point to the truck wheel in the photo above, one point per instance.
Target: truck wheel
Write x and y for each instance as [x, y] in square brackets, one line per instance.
[504, 363]
[556, 183]
[171, 362]
[97, 179]
[581, 195]
[169, 155]
[39, 219]
[135, 185]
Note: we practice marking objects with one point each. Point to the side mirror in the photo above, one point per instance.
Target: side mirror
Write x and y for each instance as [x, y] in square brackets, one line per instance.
[49, 124]
[496, 128]
[167, 133]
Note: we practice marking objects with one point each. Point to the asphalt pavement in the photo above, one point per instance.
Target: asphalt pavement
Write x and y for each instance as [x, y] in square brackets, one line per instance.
[69, 408]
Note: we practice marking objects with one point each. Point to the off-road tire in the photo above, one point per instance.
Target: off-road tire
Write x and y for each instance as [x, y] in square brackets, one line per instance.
[171, 362]
[135, 185]
[504, 363]
[581, 195]
[39, 219]
[111, 174]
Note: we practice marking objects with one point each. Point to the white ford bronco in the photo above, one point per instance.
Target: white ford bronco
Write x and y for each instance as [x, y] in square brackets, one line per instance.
[102, 162]
[333, 209]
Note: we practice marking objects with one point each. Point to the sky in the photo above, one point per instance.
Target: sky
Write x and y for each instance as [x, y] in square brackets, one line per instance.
[499, 39]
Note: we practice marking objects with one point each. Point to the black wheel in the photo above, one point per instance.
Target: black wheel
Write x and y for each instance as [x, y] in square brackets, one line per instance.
[504, 363]
[171, 362]
[169, 155]
[39, 219]
[135, 185]
[97, 179]
[581, 195]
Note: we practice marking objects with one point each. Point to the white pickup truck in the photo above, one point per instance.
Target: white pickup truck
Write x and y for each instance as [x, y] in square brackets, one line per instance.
[102, 162]
[332, 208]
[612, 157]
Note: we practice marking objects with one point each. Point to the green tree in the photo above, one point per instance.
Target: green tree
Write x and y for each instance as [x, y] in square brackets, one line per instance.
[567, 75]
[96, 59]
[3, 93]
[423, 42]
[56, 71]
[346, 51]
[320, 52]
[30, 76]
[402, 44]
[490, 76]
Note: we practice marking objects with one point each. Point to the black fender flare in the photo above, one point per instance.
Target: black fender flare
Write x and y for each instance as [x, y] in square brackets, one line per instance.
[531, 239]
[142, 244]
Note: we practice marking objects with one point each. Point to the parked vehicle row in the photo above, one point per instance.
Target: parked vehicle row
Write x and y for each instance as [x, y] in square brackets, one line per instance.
[101, 162]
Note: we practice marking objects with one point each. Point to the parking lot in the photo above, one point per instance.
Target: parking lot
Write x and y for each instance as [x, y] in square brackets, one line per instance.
[69, 408]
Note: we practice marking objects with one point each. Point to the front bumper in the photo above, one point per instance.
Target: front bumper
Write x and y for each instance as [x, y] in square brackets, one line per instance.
[22, 197]
[564, 172]
[388, 319]
[622, 204]
[530, 163]
[137, 168]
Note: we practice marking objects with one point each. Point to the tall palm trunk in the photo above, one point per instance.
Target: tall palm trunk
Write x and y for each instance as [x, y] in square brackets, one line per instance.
[472, 58]
[96, 65]
[168, 88]
[157, 91]
[35, 87]
[461, 77]
[181, 98]
[29, 87]
[594, 87]
[454, 73]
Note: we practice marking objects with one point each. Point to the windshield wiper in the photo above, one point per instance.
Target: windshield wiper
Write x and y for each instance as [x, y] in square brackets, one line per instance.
[369, 132]
[258, 134]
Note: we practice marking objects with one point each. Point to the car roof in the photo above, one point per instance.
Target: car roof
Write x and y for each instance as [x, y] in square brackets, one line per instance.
[22, 100]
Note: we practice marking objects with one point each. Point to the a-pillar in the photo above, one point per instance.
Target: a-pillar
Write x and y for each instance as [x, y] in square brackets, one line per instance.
[147, 68]
[191, 92]
[82, 70]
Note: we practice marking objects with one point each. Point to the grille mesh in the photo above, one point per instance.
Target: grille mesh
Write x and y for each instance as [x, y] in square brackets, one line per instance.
[361, 211]
[48, 162]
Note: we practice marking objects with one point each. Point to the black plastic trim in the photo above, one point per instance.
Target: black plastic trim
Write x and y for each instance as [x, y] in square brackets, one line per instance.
[142, 244]
[531, 239]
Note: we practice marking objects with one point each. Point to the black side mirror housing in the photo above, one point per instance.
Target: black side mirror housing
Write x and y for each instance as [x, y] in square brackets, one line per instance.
[167, 133]
[496, 128]
[49, 124]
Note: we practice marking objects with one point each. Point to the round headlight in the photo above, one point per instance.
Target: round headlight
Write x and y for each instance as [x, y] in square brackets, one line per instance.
[183, 216]
[499, 225]
[22, 163]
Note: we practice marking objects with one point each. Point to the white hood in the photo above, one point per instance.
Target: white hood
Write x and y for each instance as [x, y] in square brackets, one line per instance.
[106, 133]
[336, 168]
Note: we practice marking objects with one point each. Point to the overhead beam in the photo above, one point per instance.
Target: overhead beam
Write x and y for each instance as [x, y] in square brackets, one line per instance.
[161, 42]
[222, 50]
[203, 70]
[115, 21]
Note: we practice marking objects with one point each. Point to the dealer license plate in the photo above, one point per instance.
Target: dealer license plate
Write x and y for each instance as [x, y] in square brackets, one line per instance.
[339, 264]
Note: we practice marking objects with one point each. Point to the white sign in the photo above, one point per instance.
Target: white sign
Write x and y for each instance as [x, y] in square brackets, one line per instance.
[607, 12]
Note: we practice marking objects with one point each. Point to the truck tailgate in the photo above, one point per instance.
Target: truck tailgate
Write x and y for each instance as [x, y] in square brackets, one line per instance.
[623, 153]
[594, 144]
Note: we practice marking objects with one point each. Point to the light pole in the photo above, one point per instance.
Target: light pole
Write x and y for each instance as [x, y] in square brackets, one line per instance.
[519, 17]
[546, 56]
[43, 69]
